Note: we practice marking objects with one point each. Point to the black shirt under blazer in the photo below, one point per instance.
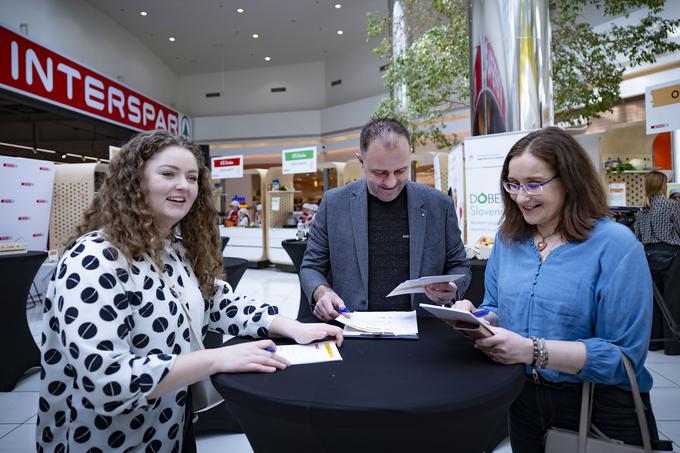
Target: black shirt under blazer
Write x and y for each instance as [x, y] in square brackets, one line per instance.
[338, 242]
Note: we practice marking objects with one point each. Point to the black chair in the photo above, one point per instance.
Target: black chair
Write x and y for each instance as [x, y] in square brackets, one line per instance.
[296, 251]
[660, 263]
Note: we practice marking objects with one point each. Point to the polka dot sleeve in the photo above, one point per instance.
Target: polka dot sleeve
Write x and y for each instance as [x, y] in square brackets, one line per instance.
[233, 314]
[96, 309]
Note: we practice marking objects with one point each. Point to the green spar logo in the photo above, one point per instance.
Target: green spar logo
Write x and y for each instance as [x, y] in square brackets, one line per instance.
[300, 155]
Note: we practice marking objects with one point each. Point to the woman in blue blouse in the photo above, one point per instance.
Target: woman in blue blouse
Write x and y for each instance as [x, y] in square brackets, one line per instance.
[567, 288]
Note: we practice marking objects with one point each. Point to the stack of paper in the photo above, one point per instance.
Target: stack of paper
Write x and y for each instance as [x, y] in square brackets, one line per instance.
[418, 285]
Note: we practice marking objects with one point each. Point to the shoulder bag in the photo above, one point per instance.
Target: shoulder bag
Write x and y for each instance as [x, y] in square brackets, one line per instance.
[589, 439]
[204, 396]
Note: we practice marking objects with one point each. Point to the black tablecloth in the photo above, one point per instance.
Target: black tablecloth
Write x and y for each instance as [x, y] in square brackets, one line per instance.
[17, 348]
[434, 394]
[296, 251]
[234, 268]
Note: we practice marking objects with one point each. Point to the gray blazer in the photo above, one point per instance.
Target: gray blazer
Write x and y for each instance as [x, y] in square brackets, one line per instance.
[338, 243]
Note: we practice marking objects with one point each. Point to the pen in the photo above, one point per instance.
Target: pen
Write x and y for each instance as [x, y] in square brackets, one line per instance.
[270, 349]
[480, 313]
[342, 310]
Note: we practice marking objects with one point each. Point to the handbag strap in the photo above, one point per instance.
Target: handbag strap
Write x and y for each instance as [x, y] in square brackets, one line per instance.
[199, 341]
[587, 407]
[639, 406]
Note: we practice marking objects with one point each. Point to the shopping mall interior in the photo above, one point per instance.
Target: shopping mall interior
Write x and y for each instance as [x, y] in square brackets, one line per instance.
[257, 84]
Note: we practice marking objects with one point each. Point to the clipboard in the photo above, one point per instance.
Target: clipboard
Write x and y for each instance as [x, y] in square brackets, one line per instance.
[461, 320]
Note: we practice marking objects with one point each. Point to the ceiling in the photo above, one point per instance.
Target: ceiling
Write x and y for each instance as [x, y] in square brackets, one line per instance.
[211, 36]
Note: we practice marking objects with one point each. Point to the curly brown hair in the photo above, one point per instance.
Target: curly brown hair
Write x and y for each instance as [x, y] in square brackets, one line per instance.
[585, 199]
[121, 210]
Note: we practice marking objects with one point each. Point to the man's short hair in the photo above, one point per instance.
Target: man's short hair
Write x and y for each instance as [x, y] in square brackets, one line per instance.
[380, 129]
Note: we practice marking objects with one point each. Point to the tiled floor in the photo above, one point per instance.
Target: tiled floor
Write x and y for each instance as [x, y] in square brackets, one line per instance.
[18, 408]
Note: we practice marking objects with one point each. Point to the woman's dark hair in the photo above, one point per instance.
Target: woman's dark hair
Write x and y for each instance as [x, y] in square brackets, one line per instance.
[121, 210]
[585, 200]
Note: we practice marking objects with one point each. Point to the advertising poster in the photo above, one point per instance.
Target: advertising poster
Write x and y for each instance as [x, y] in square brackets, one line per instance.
[662, 107]
[484, 156]
[25, 200]
[227, 167]
[298, 160]
[456, 185]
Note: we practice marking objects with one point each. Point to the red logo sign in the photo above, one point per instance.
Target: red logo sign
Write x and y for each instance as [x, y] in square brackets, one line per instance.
[28, 184]
[23, 217]
[38, 235]
[41, 201]
[31, 69]
[231, 162]
[5, 238]
[6, 200]
[44, 168]
[10, 165]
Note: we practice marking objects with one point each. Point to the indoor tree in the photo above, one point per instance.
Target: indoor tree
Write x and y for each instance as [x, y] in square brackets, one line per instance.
[433, 69]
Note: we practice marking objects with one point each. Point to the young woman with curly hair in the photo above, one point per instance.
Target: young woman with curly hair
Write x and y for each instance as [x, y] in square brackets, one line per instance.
[142, 274]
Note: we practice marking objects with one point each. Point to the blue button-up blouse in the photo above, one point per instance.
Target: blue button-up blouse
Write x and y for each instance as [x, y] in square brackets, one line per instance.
[598, 291]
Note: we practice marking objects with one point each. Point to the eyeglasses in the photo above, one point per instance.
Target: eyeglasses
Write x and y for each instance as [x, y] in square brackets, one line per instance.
[532, 188]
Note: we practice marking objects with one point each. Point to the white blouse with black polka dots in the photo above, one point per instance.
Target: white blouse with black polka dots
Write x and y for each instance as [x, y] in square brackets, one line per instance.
[111, 332]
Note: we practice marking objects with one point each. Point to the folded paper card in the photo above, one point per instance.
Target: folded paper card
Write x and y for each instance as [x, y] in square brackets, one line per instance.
[418, 285]
[298, 354]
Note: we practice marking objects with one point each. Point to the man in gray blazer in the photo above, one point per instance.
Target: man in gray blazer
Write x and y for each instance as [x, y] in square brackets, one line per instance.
[369, 236]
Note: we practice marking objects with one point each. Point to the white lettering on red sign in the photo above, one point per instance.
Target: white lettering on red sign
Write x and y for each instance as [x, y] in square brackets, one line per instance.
[31, 69]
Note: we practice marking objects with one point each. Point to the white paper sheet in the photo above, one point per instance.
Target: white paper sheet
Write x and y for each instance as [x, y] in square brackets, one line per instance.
[298, 354]
[398, 324]
[418, 285]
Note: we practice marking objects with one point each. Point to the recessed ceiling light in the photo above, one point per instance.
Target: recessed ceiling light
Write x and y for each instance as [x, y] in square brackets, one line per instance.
[240, 10]
[267, 58]
[338, 6]
[171, 39]
[143, 13]
[255, 35]
[340, 32]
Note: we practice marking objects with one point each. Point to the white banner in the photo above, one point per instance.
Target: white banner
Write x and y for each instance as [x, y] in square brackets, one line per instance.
[456, 184]
[227, 167]
[25, 201]
[662, 107]
[298, 160]
[484, 157]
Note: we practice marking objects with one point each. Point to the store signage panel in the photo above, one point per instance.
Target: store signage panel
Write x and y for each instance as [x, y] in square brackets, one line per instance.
[227, 167]
[484, 157]
[298, 160]
[35, 71]
[662, 107]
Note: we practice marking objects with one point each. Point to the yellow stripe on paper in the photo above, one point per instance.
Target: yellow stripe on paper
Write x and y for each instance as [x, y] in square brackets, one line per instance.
[329, 350]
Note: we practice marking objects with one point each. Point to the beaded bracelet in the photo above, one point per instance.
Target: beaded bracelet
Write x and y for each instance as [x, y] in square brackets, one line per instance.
[540, 353]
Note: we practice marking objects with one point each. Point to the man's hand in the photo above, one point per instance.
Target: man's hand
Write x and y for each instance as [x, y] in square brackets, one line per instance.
[441, 293]
[327, 303]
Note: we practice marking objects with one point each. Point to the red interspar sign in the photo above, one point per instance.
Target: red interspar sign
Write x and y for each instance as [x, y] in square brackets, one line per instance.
[230, 162]
[33, 70]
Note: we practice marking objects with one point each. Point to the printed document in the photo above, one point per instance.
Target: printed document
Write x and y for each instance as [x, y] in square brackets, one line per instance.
[298, 354]
[380, 324]
[418, 285]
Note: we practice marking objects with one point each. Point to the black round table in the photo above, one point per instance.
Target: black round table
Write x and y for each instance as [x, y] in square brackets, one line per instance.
[17, 347]
[434, 394]
[234, 268]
